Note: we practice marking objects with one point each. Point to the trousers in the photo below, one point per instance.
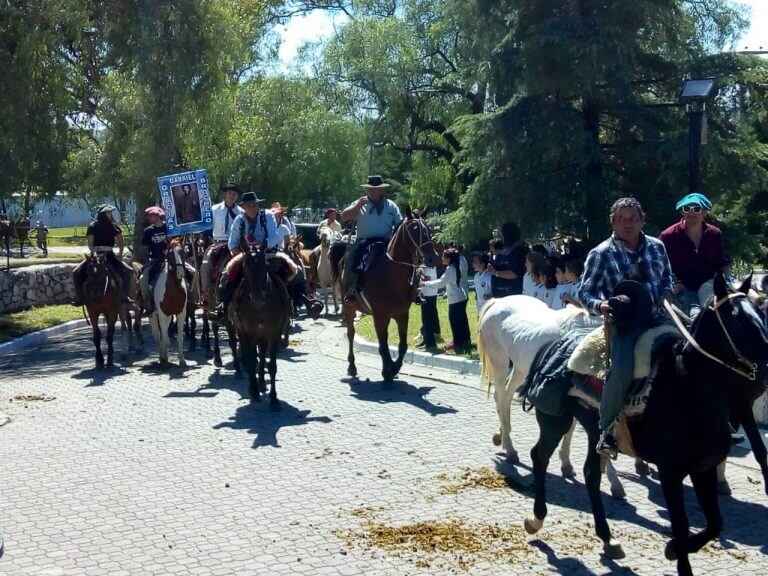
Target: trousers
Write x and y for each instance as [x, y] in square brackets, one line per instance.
[430, 322]
[619, 375]
[457, 318]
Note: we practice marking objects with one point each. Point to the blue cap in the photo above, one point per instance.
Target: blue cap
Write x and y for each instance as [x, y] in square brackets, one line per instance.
[695, 199]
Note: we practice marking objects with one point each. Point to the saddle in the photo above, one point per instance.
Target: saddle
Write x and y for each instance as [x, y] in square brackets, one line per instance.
[220, 255]
[371, 250]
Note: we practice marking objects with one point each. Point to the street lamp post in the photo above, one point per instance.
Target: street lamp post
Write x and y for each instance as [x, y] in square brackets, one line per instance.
[694, 93]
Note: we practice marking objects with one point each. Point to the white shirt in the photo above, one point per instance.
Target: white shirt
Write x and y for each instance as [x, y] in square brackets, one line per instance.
[455, 293]
[528, 285]
[335, 226]
[566, 287]
[482, 288]
[222, 222]
[283, 231]
[242, 228]
[431, 274]
[544, 294]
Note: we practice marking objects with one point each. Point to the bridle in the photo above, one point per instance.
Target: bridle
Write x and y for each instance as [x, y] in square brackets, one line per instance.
[745, 367]
[418, 256]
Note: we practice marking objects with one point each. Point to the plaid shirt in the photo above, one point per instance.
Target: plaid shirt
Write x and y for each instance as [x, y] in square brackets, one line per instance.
[612, 262]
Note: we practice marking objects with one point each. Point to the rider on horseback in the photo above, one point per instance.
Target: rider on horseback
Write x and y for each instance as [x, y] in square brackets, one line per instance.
[102, 234]
[154, 239]
[627, 255]
[224, 214]
[377, 218]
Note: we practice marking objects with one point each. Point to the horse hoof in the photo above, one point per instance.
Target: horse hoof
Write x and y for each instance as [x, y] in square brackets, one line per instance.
[568, 471]
[217, 362]
[618, 492]
[669, 551]
[263, 387]
[641, 468]
[613, 550]
[723, 488]
[182, 364]
[532, 525]
[512, 457]
[352, 371]
[496, 439]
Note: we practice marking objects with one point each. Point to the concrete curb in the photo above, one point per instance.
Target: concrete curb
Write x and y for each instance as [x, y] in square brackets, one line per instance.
[441, 361]
[36, 337]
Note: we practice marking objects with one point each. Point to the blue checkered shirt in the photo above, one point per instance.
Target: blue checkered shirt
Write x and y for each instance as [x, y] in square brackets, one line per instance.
[612, 262]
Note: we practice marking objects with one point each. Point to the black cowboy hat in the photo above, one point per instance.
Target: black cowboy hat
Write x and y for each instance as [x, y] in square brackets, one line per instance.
[250, 197]
[631, 303]
[231, 186]
[375, 182]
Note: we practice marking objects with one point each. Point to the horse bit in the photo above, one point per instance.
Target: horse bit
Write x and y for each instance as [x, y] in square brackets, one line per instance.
[740, 358]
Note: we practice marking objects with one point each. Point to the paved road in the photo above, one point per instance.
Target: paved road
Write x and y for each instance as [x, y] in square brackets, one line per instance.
[142, 472]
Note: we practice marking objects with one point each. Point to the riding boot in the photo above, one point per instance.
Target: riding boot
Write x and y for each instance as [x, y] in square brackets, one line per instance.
[608, 446]
[226, 288]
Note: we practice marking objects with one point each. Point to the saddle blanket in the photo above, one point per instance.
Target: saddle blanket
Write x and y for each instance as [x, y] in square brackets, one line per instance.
[369, 252]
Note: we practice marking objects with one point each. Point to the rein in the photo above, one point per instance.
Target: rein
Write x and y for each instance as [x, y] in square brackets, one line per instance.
[745, 362]
[419, 255]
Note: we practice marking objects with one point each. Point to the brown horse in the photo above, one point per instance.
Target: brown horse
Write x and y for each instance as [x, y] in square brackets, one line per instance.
[171, 296]
[102, 297]
[14, 229]
[220, 257]
[386, 289]
[260, 311]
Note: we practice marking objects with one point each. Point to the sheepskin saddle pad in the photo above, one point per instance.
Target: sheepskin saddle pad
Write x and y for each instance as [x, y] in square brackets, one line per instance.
[589, 362]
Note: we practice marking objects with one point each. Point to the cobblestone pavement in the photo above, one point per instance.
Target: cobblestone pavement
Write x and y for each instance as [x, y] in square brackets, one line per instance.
[138, 472]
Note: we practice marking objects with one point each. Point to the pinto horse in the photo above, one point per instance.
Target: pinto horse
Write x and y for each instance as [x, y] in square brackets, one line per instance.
[102, 297]
[260, 310]
[386, 289]
[684, 429]
[171, 294]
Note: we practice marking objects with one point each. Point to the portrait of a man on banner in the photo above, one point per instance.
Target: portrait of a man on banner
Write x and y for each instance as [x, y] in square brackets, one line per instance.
[185, 197]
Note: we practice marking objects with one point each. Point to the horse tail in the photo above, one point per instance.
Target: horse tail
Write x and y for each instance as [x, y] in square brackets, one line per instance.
[338, 249]
[486, 368]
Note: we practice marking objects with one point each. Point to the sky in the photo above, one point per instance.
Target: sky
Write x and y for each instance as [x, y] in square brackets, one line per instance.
[319, 25]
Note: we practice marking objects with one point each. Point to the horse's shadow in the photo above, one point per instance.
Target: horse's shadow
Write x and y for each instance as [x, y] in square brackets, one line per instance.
[218, 381]
[265, 423]
[396, 391]
[172, 369]
[290, 355]
[570, 565]
[99, 376]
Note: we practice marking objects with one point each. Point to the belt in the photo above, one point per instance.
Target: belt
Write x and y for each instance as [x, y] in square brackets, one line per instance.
[103, 248]
[220, 240]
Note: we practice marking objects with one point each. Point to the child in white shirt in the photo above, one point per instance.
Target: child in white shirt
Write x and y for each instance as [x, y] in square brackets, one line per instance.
[482, 280]
[565, 293]
[531, 259]
[544, 282]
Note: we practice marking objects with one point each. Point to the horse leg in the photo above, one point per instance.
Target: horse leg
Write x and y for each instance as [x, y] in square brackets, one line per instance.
[205, 337]
[723, 488]
[111, 321]
[232, 337]
[641, 467]
[566, 468]
[381, 323]
[251, 361]
[402, 345]
[263, 351]
[589, 420]
[705, 485]
[617, 489]
[747, 418]
[551, 431]
[349, 315]
[192, 330]
[672, 486]
[180, 342]
[503, 393]
[126, 335]
[216, 349]
[274, 403]
[97, 339]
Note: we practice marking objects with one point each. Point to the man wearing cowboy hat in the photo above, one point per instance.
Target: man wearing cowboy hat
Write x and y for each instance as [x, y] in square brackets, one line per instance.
[696, 252]
[330, 222]
[377, 217]
[102, 234]
[224, 214]
[627, 255]
[154, 238]
[254, 227]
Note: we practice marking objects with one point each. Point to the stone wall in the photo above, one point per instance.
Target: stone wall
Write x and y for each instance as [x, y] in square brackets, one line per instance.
[40, 285]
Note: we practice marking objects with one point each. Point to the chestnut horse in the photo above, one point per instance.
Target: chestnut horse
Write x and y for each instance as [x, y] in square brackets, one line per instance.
[102, 297]
[386, 288]
[170, 293]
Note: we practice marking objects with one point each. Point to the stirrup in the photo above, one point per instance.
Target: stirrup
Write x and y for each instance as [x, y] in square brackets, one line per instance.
[607, 446]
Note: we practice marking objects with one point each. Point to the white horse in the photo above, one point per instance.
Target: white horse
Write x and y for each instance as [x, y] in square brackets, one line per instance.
[325, 269]
[170, 295]
[514, 329]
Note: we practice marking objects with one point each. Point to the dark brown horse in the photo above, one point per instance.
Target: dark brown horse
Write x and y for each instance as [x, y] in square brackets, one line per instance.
[259, 312]
[386, 289]
[102, 297]
[14, 229]
[220, 258]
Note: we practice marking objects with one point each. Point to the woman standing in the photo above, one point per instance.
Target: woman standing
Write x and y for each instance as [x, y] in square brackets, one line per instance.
[457, 290]
[508, 266]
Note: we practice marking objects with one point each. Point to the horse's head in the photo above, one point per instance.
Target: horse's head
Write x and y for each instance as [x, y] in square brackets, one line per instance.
[256, 272]
[96, 276]
[174, 256]
[733, 330]
[325, 237]
[415, 236]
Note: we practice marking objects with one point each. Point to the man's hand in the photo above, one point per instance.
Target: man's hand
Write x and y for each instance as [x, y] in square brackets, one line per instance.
[491, 269]
[361, 202]
[605, 307]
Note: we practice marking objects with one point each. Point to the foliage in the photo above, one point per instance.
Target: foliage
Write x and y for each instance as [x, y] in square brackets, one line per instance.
[17, 324]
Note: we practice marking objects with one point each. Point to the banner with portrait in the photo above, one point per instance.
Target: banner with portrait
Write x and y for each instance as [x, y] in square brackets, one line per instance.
[186, 199]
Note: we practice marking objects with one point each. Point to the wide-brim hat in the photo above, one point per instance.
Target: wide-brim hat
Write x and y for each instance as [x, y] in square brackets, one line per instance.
[155, 211]
[695, 199]
[250, 197]
[638, 295]
[101, 208]
[231, 186]
[375, 182]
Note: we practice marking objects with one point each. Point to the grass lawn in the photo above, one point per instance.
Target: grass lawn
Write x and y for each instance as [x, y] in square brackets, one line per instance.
[73, 235]
[19, 323]
[52, 259]
[365, 326]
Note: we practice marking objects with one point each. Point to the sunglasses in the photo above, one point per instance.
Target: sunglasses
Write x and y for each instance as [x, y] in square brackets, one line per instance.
[695, 209]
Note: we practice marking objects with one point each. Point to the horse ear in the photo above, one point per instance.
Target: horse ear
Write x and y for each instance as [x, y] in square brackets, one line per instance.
[721, 286]
[425, 212]
[746, 285]
[408, 212]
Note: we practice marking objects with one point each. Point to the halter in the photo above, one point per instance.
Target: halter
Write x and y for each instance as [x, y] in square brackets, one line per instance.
[740, 358]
